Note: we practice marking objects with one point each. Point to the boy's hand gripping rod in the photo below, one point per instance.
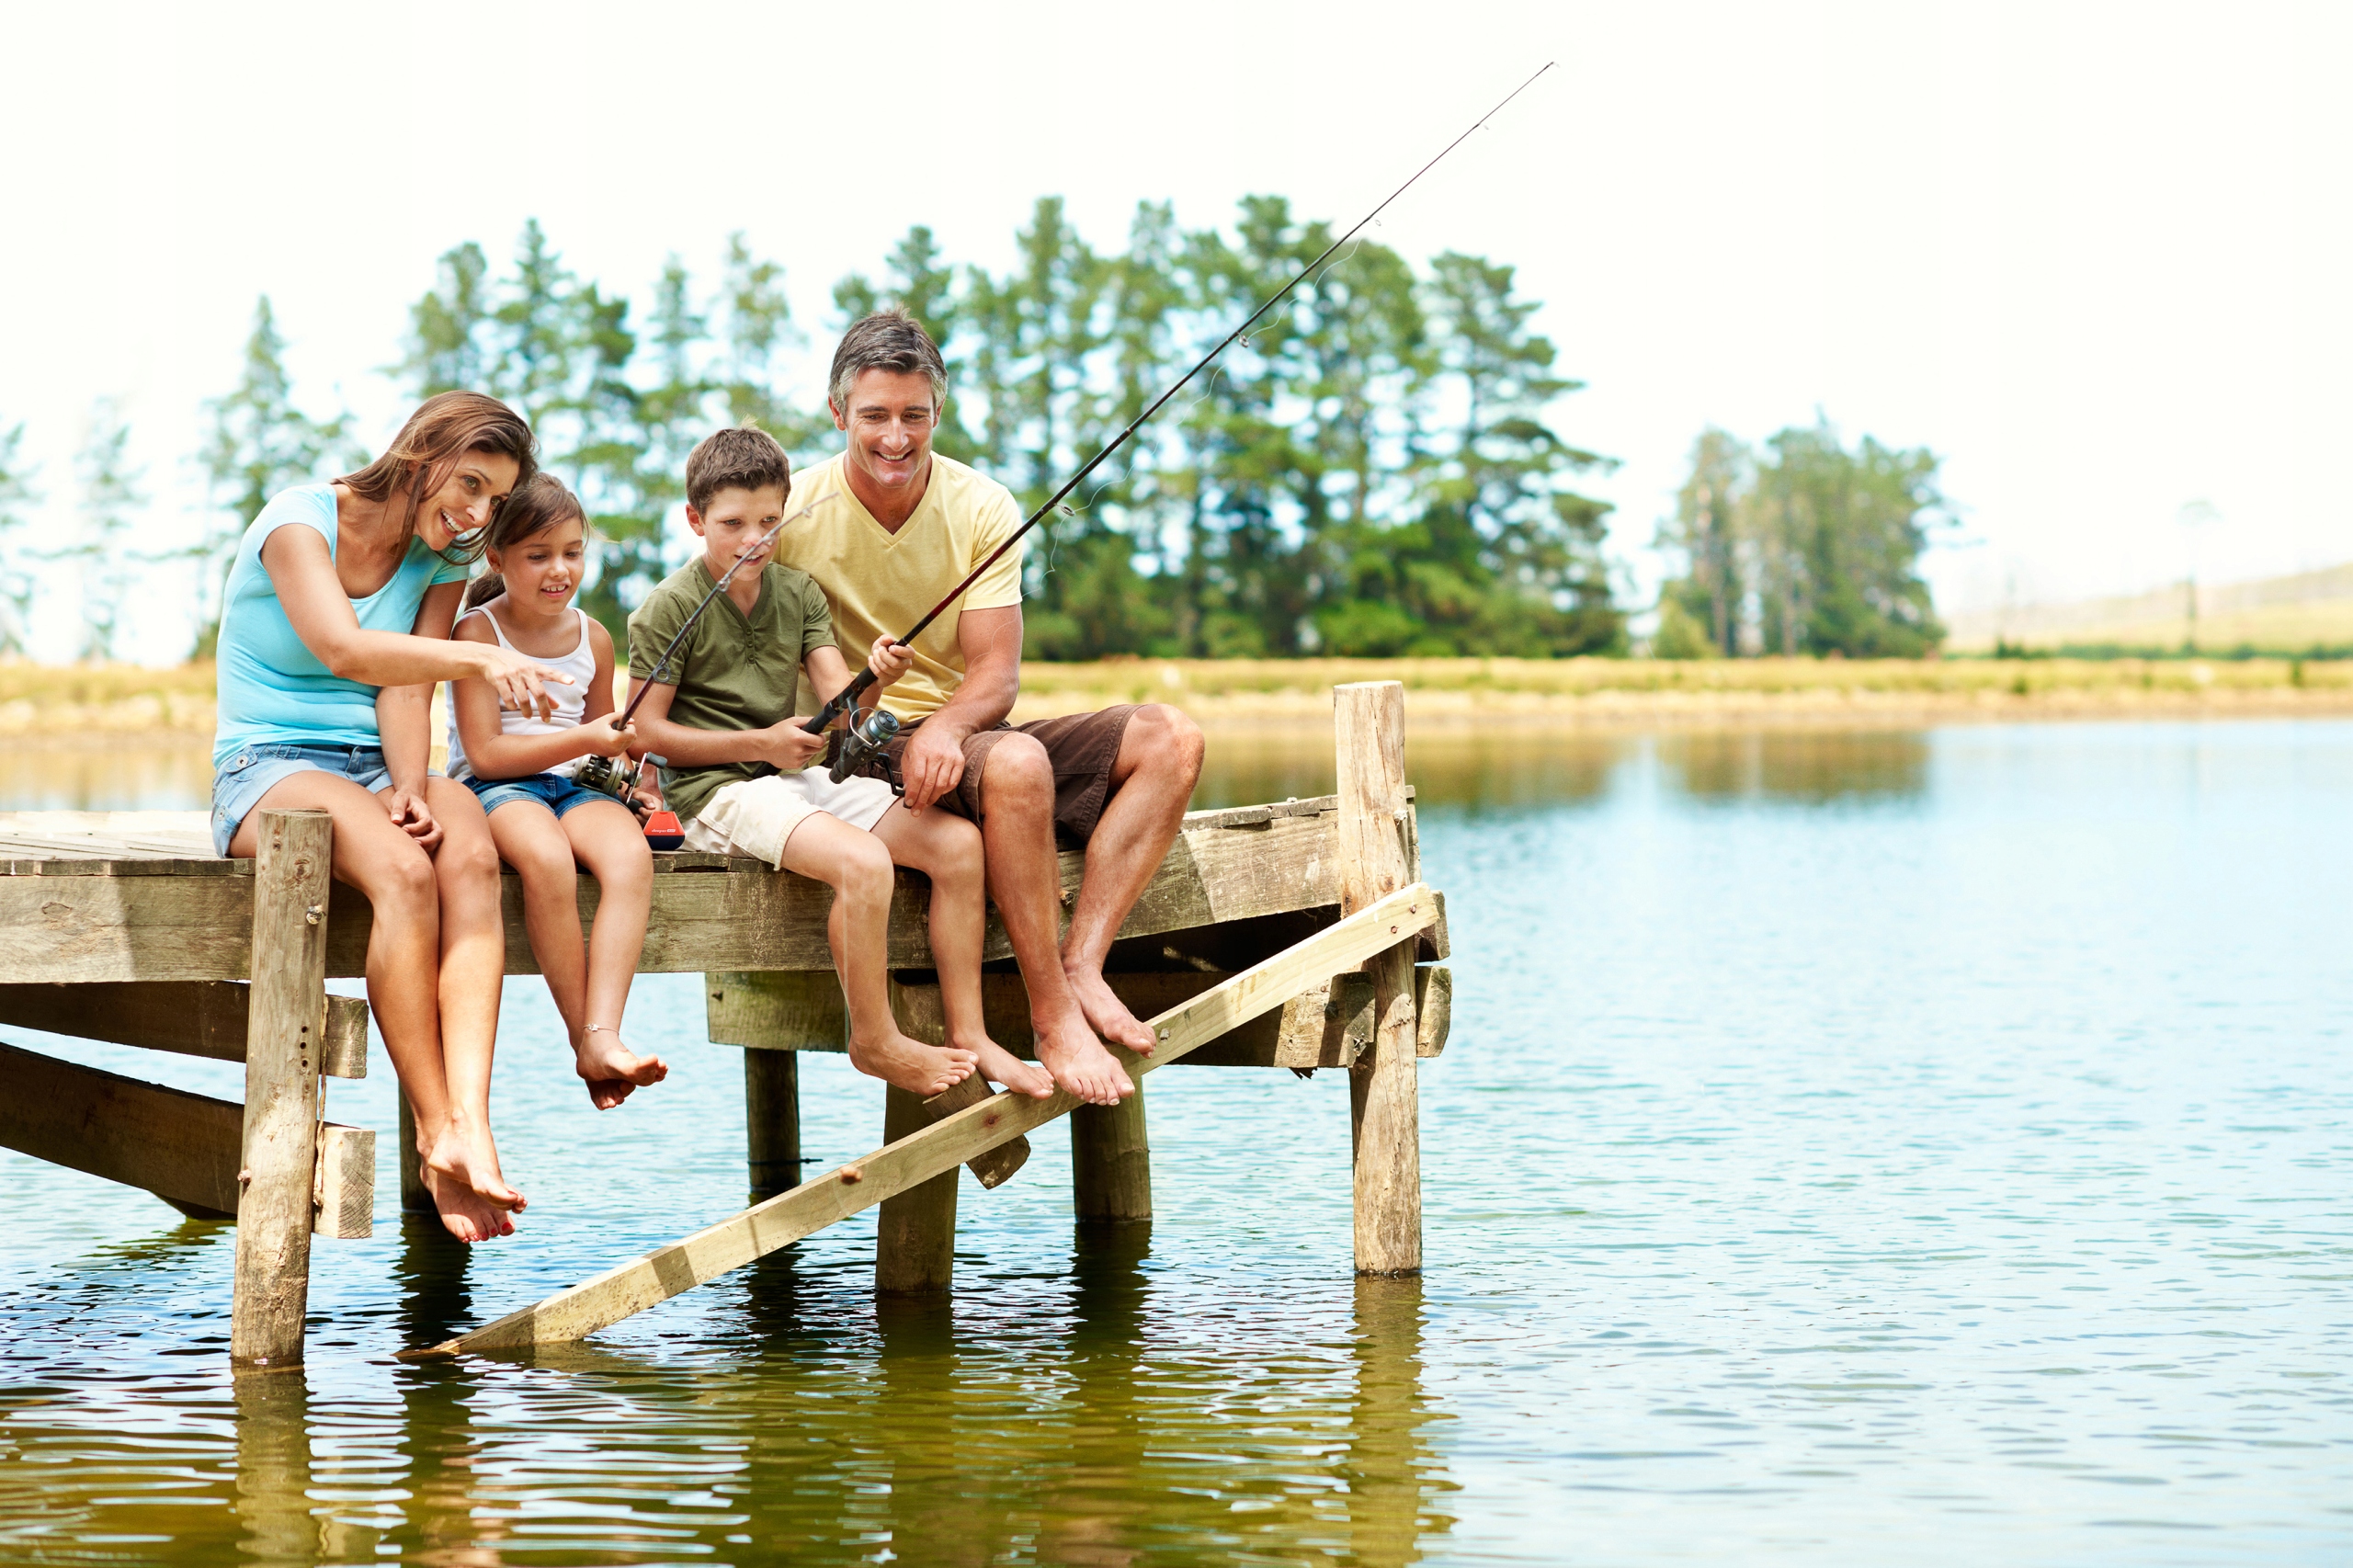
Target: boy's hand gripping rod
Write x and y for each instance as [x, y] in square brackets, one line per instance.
[846, 700]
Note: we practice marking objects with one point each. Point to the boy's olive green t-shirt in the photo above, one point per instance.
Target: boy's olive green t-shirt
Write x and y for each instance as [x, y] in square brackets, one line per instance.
[734, 671]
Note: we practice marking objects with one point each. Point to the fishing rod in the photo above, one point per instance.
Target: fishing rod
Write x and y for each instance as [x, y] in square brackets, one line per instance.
[846, 700]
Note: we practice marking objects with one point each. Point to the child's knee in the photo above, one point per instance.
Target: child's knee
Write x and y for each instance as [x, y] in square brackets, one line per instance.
[866, 868]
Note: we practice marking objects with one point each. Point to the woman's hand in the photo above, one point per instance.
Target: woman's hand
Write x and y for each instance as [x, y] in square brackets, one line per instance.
[519, 681]
[604, 737]
[889, 661]
[413, 816]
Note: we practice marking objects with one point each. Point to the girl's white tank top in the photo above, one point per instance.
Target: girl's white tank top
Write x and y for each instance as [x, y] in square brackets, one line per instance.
[570, 701]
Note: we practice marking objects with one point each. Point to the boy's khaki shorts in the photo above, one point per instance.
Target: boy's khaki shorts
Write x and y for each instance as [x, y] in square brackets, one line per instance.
[756, 816]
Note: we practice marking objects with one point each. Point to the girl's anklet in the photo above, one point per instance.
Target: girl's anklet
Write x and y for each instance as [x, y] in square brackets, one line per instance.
[592, 1028]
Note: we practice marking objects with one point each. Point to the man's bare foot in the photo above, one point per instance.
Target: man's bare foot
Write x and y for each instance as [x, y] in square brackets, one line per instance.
[1080, 1065]
[910, 1064]
[1106, 1014]
[462, 1173]
[999, 1065]
[611, 1069]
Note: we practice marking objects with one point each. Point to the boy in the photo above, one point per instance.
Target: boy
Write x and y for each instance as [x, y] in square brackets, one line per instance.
[739, 765]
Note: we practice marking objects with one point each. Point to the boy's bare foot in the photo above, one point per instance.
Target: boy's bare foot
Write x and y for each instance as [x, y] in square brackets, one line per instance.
[462, 1173]
[1080, 1065]
[999, 1065]
[1104, 1013]
[910, 1064]
[611, 1069]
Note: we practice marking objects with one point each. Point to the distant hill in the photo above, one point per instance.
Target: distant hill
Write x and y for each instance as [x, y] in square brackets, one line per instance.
[2298, 614]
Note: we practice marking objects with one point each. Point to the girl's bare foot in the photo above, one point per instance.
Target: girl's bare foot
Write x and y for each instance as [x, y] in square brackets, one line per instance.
[910, 1064]
[611, 1069]
[1081, 1067]
[1104, 1013]
[462, 1173]
[999, 1065]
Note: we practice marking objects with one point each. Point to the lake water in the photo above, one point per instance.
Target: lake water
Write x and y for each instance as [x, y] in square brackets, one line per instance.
[1927, 1147]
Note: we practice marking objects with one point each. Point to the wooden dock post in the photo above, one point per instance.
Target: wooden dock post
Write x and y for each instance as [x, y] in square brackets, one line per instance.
[915, 1244]
[283, 1052]
[772, 1119]
[1369, 722]
[1111, 1161]
[414, 1195]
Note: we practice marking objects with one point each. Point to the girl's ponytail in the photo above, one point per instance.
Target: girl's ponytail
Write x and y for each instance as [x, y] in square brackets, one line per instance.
[484, 589]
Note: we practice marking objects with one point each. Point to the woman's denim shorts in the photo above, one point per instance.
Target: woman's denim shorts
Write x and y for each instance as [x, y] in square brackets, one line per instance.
[557, 793]
[251, 772]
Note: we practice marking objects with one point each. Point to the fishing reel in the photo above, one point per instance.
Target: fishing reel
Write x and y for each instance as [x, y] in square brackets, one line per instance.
[608, 775]
[863, 749]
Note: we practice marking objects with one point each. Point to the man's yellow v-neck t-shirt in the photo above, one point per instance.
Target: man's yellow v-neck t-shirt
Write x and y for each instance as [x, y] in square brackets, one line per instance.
[880, 582]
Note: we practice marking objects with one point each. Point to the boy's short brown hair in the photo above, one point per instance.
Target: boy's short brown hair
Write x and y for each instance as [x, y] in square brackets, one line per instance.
[743, 457]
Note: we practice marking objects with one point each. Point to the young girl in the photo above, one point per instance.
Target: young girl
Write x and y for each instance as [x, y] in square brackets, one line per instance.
[520, 767]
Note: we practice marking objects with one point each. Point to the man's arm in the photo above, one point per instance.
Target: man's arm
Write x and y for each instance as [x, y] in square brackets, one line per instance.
[990, 641]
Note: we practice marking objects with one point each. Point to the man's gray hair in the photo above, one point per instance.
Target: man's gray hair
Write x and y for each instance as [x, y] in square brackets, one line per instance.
[887, 340]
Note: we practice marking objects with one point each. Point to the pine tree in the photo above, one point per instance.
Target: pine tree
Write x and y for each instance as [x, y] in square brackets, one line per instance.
[446, 351]
[16, 580]
[260, 444]
[100, 549]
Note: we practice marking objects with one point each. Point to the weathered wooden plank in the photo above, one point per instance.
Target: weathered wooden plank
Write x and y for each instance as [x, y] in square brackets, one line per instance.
[86, 928]
[641, 1282]
[193, 1017]
[1375, 851]
[279, 1168]
[343, 1201]
[1332, 1028]
[182, 1147]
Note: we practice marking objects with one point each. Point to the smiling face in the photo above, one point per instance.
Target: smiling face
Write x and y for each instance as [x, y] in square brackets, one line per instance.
[731, 527]
[889, 421]
[462, 507]
[543, 572]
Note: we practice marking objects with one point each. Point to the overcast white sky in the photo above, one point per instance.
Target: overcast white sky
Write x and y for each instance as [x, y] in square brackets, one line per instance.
[2096, 254]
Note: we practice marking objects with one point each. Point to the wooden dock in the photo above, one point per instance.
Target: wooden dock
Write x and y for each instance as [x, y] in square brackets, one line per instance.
[1288, 935]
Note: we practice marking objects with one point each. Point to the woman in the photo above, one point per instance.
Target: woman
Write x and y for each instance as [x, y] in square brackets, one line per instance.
[334, 628]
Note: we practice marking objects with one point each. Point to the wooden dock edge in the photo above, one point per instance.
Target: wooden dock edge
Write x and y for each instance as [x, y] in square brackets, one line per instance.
[642, 1282]
[192, 1018]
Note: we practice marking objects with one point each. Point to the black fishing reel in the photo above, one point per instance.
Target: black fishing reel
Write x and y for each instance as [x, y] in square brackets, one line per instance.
[614, 776]
[864, 749]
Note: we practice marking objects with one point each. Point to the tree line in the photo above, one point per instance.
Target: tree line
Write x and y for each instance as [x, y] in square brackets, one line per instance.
[1800, 546]
[1374, 470]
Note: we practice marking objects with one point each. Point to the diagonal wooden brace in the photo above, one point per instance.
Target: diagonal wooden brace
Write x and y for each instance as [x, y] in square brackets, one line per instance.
[672, 1270]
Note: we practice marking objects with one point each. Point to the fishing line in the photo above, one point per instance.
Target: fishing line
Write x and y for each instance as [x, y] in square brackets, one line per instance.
[846, 700]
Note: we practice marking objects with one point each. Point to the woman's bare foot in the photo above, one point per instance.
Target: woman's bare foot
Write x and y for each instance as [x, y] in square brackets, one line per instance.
[462, 1173]
[910, 1064]
[999, 1065]
[611, 1069]
[1104, 1013]
[1081, 1066]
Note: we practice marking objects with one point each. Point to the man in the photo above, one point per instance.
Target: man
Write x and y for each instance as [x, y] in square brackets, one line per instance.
[895, 525]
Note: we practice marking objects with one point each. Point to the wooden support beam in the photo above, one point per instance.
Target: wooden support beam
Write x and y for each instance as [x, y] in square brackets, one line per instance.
[1376, 852]
[184, 1148]
[414, 1195]
[915, 1237]
[1110, 1162]
[669, 1271]
[278, 1174]
[194, 1017]
[772, 1121]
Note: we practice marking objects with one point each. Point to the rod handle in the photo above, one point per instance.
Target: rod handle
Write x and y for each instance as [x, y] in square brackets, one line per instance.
[846, 699]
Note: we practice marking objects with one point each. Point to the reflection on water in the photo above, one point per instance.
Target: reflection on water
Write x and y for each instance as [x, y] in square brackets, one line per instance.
[1519, 765]
[1850, 1149]
[55, 775]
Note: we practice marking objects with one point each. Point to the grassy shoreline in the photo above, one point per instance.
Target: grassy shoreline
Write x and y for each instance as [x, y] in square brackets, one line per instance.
[98, 704]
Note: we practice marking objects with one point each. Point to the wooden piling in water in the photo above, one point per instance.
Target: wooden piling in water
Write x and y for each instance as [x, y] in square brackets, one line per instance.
[914, 1240]
[283, 1045]
[772, 1121]
[1376, 853]
[1110, 1162]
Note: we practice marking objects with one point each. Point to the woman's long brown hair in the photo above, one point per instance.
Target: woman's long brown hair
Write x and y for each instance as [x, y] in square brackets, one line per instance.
[422, 457]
